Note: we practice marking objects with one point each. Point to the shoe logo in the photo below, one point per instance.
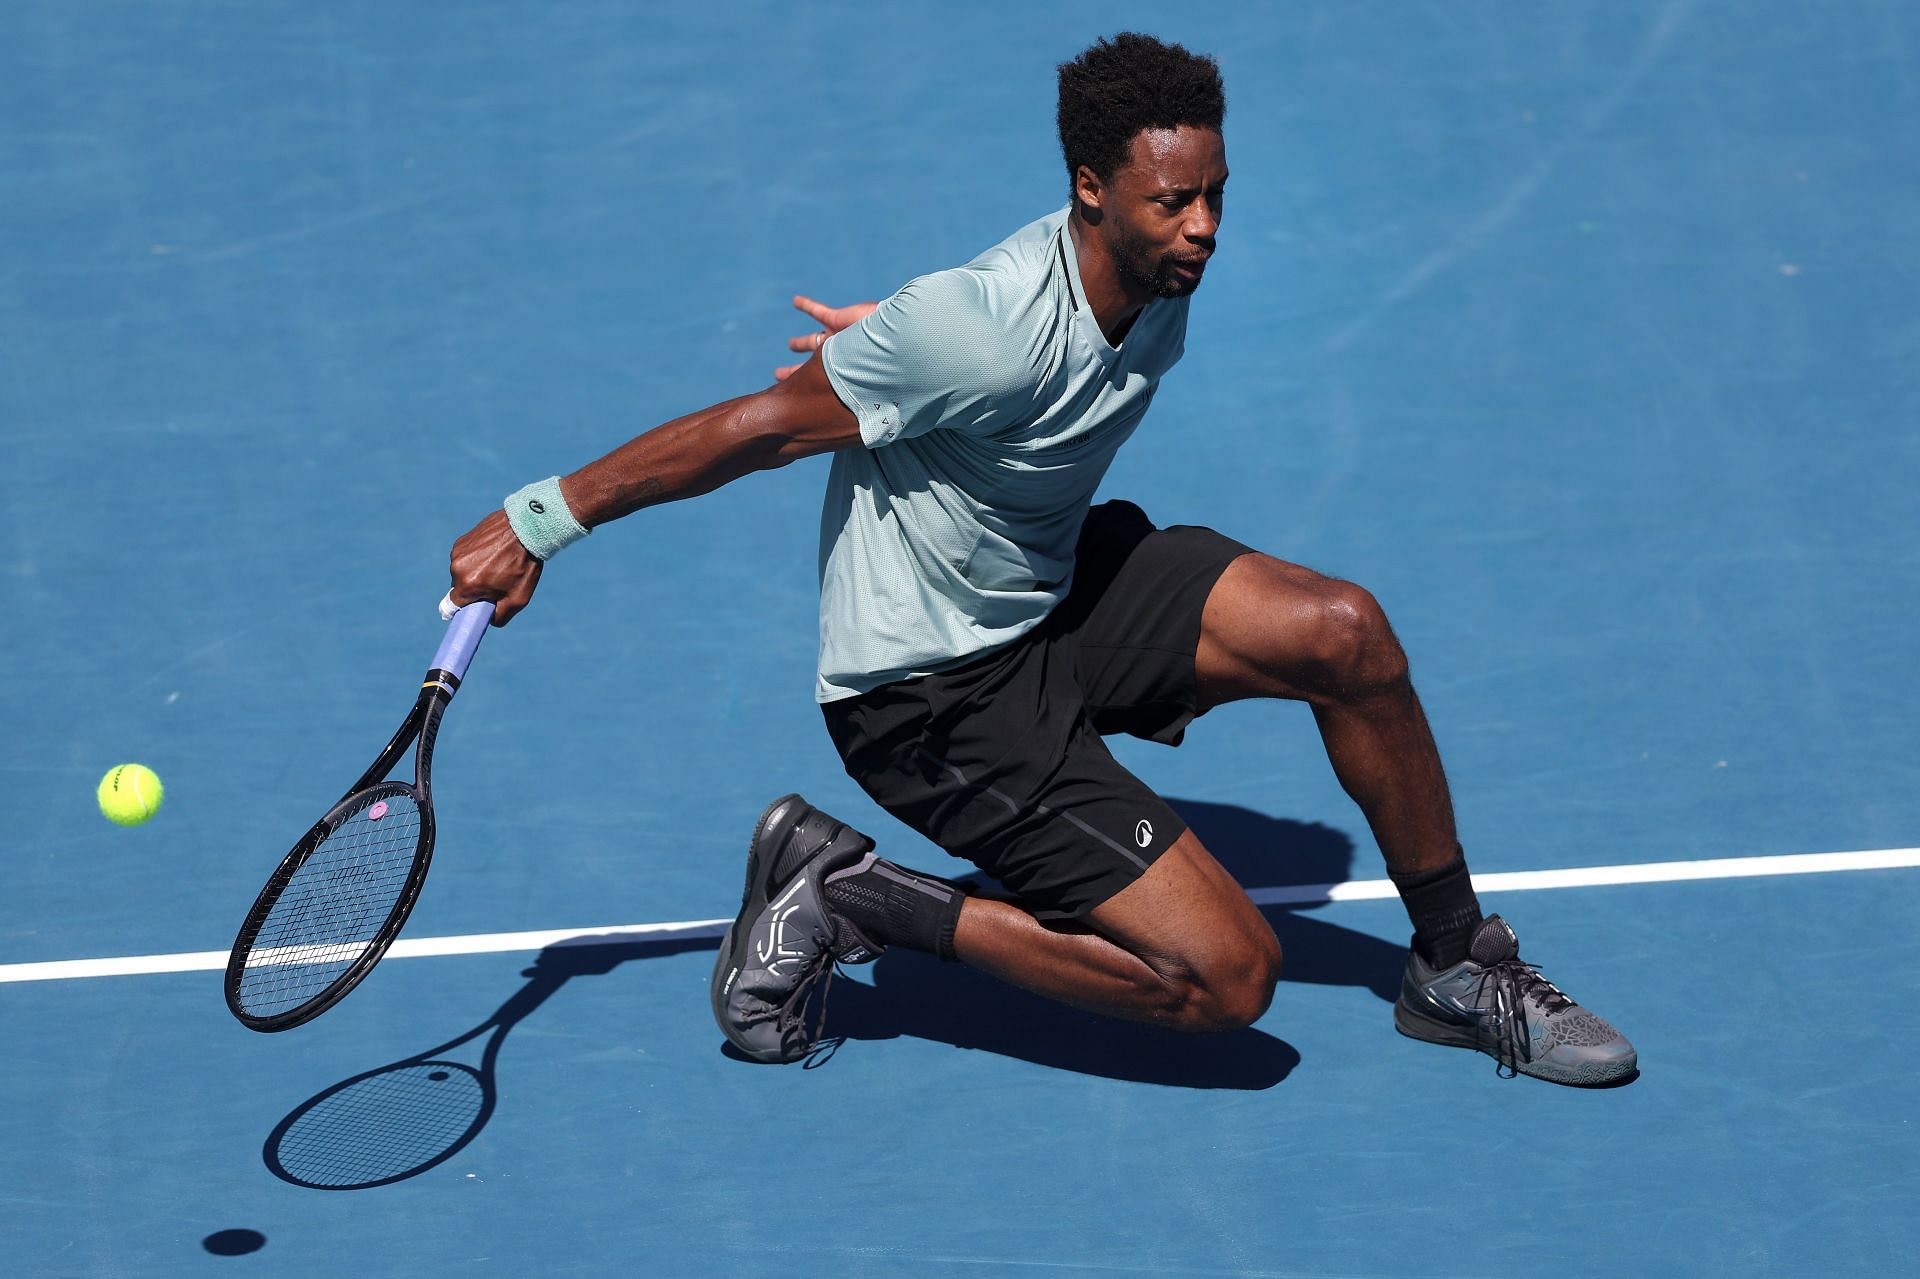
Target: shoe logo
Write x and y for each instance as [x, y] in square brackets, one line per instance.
[1455, 1007]
[729, 982]
[780, 940]
[1486, 1018]
[1143, 833]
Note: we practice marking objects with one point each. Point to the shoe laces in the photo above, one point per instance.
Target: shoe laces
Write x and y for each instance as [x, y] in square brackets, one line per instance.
[1503, 989]
[793, 1012]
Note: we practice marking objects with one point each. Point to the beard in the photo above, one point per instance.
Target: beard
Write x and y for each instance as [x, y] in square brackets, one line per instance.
[1143, 266]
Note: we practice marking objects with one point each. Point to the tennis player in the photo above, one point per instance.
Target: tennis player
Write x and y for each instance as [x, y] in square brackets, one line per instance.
[982, 626]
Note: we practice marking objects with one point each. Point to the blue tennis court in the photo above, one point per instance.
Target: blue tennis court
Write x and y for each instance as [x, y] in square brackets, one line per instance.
[1584, 336]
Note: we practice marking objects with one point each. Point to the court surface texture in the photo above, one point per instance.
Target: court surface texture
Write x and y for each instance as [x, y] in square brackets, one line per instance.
[1583, 335]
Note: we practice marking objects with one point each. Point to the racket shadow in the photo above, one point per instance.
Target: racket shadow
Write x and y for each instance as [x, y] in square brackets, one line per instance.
[400, 1120]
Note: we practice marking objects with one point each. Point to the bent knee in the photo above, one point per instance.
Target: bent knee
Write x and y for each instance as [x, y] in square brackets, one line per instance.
[1231, 990]
[1354, 643]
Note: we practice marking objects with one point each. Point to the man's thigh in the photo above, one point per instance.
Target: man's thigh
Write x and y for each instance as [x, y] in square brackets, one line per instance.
[1188, 918]
[1275, 629]
[998, 763]
[1135, 616]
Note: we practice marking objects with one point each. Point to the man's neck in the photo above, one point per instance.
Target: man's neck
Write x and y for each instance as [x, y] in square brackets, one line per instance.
[1114, 307]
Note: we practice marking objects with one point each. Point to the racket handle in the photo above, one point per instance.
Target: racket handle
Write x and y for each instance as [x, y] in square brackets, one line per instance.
[464, 634]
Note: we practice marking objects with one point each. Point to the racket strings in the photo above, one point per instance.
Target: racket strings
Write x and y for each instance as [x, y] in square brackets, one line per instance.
[333, 906]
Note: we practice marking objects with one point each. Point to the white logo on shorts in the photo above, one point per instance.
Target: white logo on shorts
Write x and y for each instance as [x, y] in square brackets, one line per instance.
[1143, 833]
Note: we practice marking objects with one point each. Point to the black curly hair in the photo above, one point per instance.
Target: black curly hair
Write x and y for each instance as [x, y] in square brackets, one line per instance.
[1127, 83]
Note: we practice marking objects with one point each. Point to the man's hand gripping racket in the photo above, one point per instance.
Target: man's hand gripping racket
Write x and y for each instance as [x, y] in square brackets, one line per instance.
[338, 900]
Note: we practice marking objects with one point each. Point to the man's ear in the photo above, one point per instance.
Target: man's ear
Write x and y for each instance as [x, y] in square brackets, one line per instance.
[1089, 191]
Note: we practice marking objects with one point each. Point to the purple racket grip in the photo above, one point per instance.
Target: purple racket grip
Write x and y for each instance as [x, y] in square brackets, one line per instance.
[464, 633]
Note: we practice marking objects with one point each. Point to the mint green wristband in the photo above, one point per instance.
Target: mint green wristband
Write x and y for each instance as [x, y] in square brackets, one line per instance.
[541, 520]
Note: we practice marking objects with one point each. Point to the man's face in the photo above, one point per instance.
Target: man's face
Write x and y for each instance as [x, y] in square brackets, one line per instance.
[1165, 204]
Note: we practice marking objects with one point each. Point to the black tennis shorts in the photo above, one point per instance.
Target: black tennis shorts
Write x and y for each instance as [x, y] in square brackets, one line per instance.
[1000, 761]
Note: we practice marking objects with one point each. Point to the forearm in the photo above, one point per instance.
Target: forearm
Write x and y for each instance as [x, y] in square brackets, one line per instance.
[794, 418]
[686, 457]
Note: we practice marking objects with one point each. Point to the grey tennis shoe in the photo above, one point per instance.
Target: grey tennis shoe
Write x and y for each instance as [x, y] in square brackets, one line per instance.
[1501, 1005]
[785, 938]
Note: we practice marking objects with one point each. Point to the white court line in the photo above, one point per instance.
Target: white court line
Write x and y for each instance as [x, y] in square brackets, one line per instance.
[1352, 890]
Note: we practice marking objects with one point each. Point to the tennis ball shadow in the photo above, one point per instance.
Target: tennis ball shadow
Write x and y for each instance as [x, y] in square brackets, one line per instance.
[234, 1243]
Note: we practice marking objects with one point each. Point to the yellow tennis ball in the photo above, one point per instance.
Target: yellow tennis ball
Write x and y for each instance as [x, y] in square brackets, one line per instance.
[129, 794]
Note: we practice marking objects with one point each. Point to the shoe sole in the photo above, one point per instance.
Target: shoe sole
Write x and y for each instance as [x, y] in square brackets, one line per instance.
[1588, 1074]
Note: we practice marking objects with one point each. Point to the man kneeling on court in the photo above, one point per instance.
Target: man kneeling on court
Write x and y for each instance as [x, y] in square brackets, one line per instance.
[981, 627]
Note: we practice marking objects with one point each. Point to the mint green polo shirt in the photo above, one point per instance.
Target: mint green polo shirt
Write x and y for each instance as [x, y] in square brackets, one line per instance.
[990, 406]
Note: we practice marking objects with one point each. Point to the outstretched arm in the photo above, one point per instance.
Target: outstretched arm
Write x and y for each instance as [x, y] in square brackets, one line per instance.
[794, 418]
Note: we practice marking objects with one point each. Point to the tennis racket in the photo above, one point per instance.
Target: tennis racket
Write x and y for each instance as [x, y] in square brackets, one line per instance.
[338, 900]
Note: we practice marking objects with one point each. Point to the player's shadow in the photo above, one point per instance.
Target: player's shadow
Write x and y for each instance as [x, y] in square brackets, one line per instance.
[918, 996]
[910, 994]
[398, 1121]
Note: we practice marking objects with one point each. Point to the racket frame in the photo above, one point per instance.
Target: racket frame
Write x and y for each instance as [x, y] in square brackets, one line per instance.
[419, 730]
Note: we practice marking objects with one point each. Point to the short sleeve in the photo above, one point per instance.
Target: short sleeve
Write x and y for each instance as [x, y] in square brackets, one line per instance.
[939, 354]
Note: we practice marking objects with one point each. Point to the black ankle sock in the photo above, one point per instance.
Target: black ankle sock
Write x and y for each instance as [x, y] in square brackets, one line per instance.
[1444, 911]
[898, 907]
